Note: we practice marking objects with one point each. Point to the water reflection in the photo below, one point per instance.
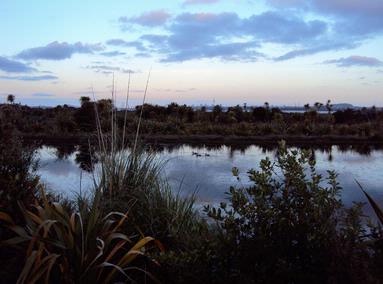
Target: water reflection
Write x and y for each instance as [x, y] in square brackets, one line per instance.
[209, 172]
[86, 158]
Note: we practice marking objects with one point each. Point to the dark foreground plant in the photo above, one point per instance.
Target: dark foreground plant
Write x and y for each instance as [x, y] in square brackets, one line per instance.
[133, 175]
[18, 183]
[76, 247]
[18, 178]
[289, 226]
[126, 177]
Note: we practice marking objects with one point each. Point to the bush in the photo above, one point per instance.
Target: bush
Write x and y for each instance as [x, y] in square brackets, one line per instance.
[18, 184]
[289, 227]
[18, 178]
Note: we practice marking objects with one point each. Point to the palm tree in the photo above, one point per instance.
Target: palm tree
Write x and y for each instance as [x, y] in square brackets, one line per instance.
[11, 99]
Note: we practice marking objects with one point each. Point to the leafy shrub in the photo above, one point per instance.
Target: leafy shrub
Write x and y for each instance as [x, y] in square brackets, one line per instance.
[288, 227]
[18, 178]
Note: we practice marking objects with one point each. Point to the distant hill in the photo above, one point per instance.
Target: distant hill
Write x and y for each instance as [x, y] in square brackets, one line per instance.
[343, 106]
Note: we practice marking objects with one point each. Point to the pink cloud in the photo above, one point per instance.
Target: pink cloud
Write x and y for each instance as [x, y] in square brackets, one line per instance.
[356, 60]
[193, 2]
[151, 19]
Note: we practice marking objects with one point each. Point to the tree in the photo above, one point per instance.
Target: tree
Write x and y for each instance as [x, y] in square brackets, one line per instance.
[238, 112]
[329, 106]
[318, 106]
[85, 115]
[10, 98]
[84, 100]
[217, 110]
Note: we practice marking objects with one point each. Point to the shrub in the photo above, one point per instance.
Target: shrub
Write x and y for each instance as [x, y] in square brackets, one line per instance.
[288, 227]
[18, 178]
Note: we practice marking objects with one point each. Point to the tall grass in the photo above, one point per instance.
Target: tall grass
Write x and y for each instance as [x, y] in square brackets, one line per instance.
[132, 178]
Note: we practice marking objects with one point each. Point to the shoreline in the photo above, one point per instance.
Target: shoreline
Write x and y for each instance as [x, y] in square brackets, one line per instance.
[219, 139]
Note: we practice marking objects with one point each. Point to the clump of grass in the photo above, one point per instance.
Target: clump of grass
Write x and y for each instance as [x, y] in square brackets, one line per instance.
[133, 178]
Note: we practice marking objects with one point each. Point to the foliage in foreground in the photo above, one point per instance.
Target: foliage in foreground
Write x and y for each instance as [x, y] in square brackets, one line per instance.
[18, 178]
[134, 177]
[76, 247]
[288, 226]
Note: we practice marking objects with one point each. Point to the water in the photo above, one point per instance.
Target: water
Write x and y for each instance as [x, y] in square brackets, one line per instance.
[210, 173]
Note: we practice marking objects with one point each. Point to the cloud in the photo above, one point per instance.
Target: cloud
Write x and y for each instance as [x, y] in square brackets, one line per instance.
[120, 42]
[168, 90]
[43, 95]
[356, 60]
[226, 36]
[330, 25]
[231, 52]
[12, 66]
[149, 19]
[112, 53]
[58, 51]
[352, 17]
[275, 27]
[194, 2]
[29, 78]
[106, 69]
[317, 47]
[143, 55]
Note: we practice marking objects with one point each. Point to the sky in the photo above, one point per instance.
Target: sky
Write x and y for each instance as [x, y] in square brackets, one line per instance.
[285, 52]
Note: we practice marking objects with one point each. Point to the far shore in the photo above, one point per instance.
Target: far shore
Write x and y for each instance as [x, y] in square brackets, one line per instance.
[297, 140]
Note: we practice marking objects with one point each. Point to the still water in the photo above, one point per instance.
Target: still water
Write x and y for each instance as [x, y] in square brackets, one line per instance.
[209, 173]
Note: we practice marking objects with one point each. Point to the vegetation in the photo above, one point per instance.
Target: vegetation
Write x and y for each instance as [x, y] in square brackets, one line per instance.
[289, 226]
[182, 120]
[127, 177]
[75, 247]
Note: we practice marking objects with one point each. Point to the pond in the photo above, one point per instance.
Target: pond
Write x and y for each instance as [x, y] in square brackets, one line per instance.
[206, 170]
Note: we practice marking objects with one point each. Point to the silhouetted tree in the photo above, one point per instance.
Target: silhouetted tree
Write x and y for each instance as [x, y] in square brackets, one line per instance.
[329, 106]
[84, 100]
[237, 111]
[85, 115]
[318, 106]
[10, 98]
[259, 114]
